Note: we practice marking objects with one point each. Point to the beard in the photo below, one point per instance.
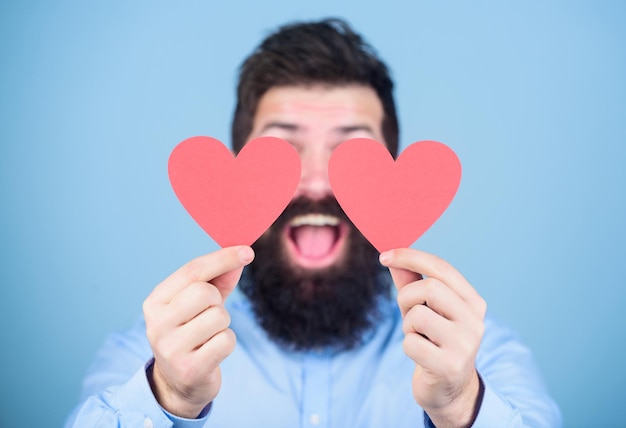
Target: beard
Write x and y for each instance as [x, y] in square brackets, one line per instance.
[313, 308]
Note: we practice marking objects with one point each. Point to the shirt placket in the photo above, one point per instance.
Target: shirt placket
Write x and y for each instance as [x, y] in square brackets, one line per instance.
[316, 389]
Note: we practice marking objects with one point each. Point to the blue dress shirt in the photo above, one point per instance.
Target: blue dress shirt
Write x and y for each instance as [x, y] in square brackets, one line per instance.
[264, 385]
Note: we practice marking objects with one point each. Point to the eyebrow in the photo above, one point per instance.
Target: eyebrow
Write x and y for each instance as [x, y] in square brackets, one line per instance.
[340, 130]
[281, 125]
[354, 128]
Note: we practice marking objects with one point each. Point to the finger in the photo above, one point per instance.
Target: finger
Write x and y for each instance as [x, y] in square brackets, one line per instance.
[437, 296]
[421, 350]
[227, 282]
[181, 343]
[204, 327]
[423, 320]
[431, 266]
[214, 351]
[402, 277]
[206, 268]
[191, 301]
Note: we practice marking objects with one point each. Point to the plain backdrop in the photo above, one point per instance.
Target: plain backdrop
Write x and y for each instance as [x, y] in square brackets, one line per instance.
[94, 95]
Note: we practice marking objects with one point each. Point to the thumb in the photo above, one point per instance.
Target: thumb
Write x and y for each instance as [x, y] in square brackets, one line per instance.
[402, 277]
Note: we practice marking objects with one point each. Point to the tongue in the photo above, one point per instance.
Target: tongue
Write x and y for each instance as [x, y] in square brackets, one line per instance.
[314, 241]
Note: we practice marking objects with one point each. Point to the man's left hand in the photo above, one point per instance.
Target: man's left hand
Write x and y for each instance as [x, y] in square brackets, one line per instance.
[443, 323]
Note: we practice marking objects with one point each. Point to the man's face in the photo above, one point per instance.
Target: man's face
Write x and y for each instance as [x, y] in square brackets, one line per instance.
[315, 120]
[315, 278]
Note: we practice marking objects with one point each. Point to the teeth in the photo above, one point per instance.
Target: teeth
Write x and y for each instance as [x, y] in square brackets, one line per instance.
[314, 220]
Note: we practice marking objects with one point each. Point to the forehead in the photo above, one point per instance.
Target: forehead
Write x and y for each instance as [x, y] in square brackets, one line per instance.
[350, 102]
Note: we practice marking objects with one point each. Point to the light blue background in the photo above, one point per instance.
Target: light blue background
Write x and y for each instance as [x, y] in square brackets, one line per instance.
[94, 96]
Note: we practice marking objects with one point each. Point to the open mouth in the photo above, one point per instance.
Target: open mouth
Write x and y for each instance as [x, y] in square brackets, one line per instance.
[315, 240]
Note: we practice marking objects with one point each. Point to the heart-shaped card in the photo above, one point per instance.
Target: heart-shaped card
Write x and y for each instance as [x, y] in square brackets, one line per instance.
[393, 202]
[234, 199]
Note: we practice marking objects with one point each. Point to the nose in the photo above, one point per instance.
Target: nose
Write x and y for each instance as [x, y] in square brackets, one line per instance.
[314, 182]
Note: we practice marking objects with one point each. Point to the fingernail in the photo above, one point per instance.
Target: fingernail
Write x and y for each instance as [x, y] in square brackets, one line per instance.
[385, 257]
[245, 254]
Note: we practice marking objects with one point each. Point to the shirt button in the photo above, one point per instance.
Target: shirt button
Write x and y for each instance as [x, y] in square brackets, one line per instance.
[147, 423]
[314, 419]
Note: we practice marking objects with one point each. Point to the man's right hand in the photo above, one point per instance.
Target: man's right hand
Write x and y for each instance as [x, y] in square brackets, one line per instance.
[187, 327]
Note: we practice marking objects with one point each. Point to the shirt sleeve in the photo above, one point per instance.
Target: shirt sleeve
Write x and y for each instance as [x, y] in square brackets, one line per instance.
[515, 395]
[115, 396]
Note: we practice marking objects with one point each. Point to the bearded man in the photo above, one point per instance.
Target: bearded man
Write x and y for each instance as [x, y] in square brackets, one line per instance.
[321, 337]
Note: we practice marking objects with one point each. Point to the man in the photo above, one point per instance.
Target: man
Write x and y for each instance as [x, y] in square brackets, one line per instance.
[321, 338]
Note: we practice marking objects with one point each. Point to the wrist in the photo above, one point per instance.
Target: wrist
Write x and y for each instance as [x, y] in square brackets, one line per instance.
[463, 409]
[169, 400]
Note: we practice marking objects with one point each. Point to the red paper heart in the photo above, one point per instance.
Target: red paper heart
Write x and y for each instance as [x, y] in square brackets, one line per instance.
[234, 199]
[393, 203]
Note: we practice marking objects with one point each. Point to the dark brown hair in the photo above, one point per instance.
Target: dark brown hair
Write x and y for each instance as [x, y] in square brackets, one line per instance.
[324, 52]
